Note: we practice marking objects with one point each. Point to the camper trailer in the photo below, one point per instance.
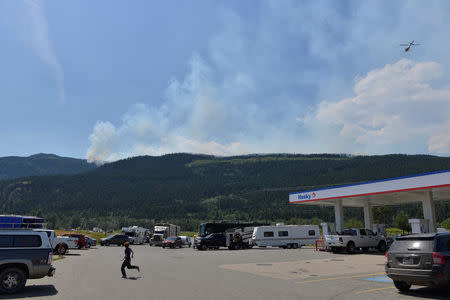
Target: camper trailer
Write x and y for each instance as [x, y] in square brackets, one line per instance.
[285, 236]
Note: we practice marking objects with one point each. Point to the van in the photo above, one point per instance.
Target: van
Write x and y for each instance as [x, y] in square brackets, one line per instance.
[186, 241]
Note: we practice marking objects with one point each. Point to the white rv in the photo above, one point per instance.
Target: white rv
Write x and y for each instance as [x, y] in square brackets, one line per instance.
[136, 234]
[285, 236]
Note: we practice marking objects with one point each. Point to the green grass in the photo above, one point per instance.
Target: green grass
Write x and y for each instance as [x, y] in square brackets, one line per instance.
[189, 233]
[55, 258]
[94, 235]
[394, 232]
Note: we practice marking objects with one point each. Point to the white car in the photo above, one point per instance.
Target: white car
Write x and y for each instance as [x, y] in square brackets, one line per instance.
[60, 244]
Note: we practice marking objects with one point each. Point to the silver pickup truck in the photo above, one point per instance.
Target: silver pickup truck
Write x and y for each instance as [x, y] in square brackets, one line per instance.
[24, 254]
[355, 238]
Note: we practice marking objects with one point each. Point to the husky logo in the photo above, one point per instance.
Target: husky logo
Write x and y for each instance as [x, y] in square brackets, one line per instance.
[304, 197]
[314, 195]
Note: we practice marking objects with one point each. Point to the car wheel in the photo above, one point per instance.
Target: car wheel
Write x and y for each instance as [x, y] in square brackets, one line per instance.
[164, 247]
[237, 246]
[202, 247]
[295, 246]
[402, 286]
[350, 247]
[88, 245]
[289, 246]
[365, 249]
[382, 246]
[107, 243]
[12, 280]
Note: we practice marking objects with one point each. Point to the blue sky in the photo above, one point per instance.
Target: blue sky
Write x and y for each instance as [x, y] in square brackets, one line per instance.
[105, 80]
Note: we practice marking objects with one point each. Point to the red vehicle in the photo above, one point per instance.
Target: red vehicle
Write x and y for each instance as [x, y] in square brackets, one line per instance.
[172, 242]
[82, 240]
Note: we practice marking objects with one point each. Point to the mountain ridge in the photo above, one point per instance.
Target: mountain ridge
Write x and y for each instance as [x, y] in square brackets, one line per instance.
[41, 164]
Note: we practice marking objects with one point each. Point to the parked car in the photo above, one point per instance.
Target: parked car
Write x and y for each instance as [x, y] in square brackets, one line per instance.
[172, 242]
[117, 239]
[82, 240]
[212, 241]
[186, 241]
[60, 244]
[352, 239]
[420, 259]
[24, 254]
[91, 242]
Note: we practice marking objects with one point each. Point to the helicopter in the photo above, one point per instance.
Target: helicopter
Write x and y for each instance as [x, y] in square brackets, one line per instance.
[409, 45]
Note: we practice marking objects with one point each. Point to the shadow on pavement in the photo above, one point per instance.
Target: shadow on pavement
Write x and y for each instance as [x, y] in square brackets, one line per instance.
[33, 291]
[133, 277]
[428, 293]
[73, 254]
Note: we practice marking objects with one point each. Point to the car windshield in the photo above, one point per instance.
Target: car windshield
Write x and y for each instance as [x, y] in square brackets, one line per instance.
[171, 238]
[349, 232]
[110, 236]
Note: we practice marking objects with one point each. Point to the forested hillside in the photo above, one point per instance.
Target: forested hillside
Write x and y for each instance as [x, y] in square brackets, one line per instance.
[41, 164]
[187, 189]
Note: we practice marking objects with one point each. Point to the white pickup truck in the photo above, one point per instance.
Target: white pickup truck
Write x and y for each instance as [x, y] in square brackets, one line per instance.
[352, 239]
[60, 243]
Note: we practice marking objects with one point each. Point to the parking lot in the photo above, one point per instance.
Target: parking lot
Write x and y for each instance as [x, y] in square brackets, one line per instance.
[185, 273]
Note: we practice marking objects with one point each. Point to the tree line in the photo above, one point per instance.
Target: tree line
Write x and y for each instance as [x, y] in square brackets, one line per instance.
[189, 189]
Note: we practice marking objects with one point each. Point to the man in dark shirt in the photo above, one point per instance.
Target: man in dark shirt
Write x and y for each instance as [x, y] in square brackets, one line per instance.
[129, 254]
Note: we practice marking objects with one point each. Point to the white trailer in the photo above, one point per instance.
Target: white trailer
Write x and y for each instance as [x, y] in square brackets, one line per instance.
[285, 236]
[136, 234]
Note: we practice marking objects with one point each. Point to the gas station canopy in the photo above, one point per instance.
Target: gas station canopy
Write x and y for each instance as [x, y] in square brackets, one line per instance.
[425, 188]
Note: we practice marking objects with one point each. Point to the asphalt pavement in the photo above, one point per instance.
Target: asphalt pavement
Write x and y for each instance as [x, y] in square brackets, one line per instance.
[186, 273]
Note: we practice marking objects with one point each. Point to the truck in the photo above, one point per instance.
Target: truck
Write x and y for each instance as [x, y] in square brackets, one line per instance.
[60, 244]
[239, 237]
[285, 236]
[24, 254]
[136, 234]
[353, 239]
[206, 229]
[163, 231]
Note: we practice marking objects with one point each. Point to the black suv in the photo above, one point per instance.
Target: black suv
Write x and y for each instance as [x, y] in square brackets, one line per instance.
[420, 259]
[24, 254]
[212, 241]
[118, 239]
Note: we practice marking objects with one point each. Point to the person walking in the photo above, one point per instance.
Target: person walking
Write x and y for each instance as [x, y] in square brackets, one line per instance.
[129, 254]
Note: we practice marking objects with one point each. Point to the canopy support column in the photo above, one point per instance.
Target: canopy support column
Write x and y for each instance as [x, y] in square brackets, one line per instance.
[429, 212]
[339, 215]
[367, 215]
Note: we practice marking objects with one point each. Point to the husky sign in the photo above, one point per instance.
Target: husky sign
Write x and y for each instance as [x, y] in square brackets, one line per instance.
[432, 180]
[306, 196]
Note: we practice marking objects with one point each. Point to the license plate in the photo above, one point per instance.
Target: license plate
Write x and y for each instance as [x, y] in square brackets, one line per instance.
[408, 261]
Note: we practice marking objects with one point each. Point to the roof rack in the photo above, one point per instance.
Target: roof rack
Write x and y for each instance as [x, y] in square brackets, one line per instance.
[18, 229]
[9, 225]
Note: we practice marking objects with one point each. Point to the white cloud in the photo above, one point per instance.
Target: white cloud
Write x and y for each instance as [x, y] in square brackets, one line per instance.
[256, 90]
[440, 142]
[394, 107]
[40, 41]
